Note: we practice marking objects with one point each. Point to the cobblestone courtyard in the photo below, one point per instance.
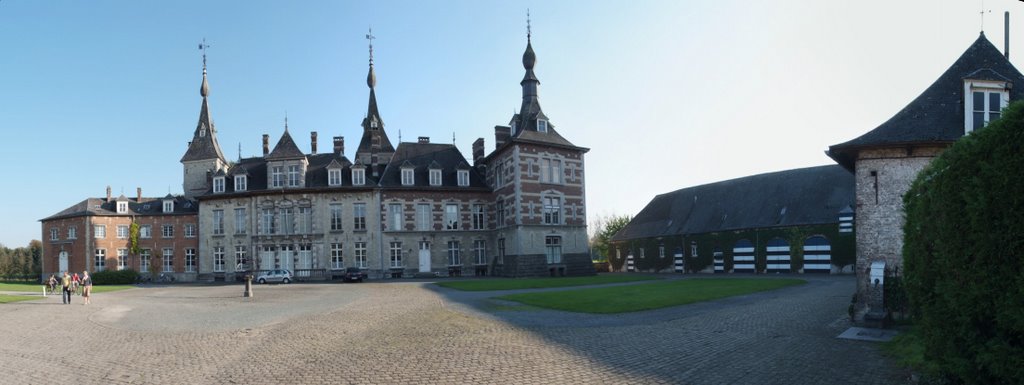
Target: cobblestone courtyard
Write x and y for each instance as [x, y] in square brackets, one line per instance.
[405, 332]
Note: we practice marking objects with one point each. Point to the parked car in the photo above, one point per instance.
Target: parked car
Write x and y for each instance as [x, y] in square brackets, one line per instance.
[283, 276]
[353, 274]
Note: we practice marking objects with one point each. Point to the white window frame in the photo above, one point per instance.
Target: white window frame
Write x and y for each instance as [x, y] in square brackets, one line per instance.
[167, 259]
[552, 209]
[337, 256]
[99, 231]
[54, 234]
[334, 177]
[241, 182]
[424, 217]
[336, 217]
[480, 251]
[408, 177]
[395, 217]
[463, 178]
[305, 220]
[168, 206]
[395, 255]
[190, 230]
[122, 207]
[145, 231]
[218, 184]
[72, 232]
[479, 214]
[294, 176]
[218, 222]
[277, 176]
[451, 216]
[218, 259]
[988, 88]
[167, 230]
[358, 176]
[100, 259]
[267, 221]
[542, 125]
[454, 259]
[553, 249]
[190, 260]
[145, 258]
[435, 177]
[240, 257]
[122, 231]
[360, 251]
[241, 220]
[359, 217]
[287, 221]
[122, 259]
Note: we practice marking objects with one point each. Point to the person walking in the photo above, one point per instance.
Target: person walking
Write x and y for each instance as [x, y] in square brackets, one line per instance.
[65, 284]
[86, 288]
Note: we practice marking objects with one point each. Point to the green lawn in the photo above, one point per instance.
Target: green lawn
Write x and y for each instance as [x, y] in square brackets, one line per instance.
[37, 288]
[540, 283]
[624, 299]
[4, 298]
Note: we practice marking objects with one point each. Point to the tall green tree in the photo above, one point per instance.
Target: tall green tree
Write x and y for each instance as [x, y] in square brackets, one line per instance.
[604, 229]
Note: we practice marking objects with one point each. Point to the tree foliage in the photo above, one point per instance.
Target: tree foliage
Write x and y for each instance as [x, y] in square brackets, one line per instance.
[963, 261]
[604, 229]
[21, 262]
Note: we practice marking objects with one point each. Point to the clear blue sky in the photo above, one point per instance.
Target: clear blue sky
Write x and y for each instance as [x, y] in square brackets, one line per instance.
[667, 94]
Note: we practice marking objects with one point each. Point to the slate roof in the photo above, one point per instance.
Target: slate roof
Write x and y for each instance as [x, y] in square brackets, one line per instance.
[147, 206]
[285, 148]
[204, 143]
[937, 115]
[803, 196]
[421, 156]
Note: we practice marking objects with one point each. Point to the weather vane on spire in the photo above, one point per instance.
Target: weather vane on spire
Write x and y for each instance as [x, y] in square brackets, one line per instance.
[370, 37]
[202, 47]
[527, 24]
[982, 12]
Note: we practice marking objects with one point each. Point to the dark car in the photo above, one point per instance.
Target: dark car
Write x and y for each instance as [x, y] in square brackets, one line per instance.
[353, 274]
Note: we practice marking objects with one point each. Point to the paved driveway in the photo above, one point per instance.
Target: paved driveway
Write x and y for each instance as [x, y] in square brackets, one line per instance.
[413, 333]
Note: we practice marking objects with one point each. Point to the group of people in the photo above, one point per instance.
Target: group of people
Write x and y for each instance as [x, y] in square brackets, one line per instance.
[69, 284]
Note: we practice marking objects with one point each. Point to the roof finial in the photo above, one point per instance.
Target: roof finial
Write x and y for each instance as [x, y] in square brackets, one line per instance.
[371, 77]
[982, 12]
[239, 151]
[527, 24]
[370, 37]
[204, 89]
[286, 121]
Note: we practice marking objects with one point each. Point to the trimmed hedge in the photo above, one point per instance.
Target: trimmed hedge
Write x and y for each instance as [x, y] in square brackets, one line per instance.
[111, 277]
[963, 261]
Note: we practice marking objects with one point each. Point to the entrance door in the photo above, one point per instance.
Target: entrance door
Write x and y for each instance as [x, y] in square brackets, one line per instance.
[424, 257]
[63, 261]
[286, 257]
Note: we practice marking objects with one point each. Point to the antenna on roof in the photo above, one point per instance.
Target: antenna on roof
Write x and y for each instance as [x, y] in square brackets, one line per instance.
[285, 120]
[983, 15]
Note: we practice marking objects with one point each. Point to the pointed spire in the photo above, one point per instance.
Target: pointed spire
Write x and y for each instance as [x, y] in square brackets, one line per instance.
[204, 140]
[530, 110]
[375, 140]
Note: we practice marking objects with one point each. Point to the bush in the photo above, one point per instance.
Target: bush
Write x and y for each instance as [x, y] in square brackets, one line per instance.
[963, 265]
[109, 277]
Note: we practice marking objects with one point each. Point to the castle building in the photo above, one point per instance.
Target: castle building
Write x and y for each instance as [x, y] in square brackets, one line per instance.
[418, 209]
[886, 160]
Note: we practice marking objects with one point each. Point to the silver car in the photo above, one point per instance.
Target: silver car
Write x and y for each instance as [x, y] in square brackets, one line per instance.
[283, 276]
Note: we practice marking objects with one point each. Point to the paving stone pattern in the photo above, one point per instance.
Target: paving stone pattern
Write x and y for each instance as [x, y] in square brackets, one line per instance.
[414, 333]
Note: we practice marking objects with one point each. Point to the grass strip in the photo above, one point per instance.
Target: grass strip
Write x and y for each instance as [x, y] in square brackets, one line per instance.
[4, 298]
[631, 298]
[540, 283]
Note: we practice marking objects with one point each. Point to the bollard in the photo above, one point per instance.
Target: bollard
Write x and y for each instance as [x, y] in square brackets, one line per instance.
[248, 286]
[44, 291]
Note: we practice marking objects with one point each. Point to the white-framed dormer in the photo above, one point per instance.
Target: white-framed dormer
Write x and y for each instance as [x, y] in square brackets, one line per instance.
[358, 175]
[984, 100]
[463, 178]
[218, 184]
[435, 176]
[542, 125]
[241, 182]
[168, 204]
[408, 176]
[334, 177]
[122, 205]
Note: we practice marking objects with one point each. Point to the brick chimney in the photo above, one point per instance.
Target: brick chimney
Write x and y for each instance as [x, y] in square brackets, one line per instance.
[501, 135]
[138, 194]
[312, 142]
[339, 145]
[423, 139]
[478, 151]
[108, 193]
[266, 144]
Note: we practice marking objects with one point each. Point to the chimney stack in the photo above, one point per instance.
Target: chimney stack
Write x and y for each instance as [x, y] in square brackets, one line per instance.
[339, 145]
[478, 151]
[266, 144]
[423, 139]
[138, 194]
[108, 193]
[1006, 34]
[312, 139]
[501, 135]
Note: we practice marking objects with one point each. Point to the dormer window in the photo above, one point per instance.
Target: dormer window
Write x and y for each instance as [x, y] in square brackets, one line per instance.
[983, 102]
[168, 206]
[435, 177]
[294, 176]
[513, 131]
[277, 176]
[122, 207]
[358, 176]
[463, 176]
[542, 125]
[241, 183]
[407, 177]
[218, 184]
[334, 177]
